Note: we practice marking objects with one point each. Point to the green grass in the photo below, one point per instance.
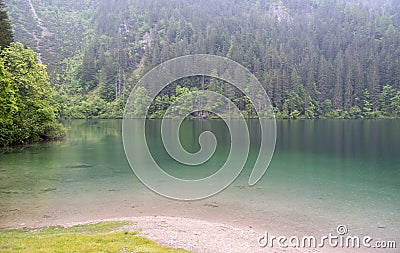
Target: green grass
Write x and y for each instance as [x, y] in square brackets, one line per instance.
[100, 237]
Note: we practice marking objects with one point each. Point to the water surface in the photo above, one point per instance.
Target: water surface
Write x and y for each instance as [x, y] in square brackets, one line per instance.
[324, 173]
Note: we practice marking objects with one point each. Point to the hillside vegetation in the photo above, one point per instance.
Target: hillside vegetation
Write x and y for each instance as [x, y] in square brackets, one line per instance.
[27, 109]
[315, 58]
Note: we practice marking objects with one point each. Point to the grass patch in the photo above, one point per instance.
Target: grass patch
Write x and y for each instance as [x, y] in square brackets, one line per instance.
[100, 237]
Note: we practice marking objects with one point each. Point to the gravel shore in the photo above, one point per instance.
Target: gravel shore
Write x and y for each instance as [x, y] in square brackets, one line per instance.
[197, 235]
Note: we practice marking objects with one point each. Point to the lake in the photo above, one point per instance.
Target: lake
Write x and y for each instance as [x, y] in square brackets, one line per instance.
[324, 173]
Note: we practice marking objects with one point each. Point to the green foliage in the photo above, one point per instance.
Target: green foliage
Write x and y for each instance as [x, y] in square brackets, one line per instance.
[395, 104]
[6, 34]
[327, 109]
[367, 105]
[8, 103]
[387, 98]
[309, 55]
[87, 73]
[141, 98]
[355, 113]
[27, 113]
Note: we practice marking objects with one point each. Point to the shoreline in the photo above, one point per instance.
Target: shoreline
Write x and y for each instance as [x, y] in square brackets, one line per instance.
[192, 234]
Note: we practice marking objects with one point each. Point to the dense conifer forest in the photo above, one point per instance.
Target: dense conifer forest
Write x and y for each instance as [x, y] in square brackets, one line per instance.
[315, 58]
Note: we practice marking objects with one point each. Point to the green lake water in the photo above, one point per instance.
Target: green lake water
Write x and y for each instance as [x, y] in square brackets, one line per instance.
[324, 173]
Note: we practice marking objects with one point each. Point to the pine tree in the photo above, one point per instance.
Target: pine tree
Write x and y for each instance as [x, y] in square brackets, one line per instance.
[338, 86]
[367, 105]
[325, 79]
[6, 34]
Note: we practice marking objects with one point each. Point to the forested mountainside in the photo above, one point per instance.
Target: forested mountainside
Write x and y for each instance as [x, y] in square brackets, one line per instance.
[315, 58]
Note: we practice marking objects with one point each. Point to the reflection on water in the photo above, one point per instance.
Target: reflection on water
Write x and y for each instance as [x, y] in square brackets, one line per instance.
[324, 173]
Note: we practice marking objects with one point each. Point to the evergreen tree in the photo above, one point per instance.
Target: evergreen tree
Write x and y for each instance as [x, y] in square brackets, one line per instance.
[314, 58]
[367, 105]
[6, 34]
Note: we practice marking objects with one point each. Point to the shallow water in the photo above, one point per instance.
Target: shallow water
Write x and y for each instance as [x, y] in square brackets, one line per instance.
[324, 173]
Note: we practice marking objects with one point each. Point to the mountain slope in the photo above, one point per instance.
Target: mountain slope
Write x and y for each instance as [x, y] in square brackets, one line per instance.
[316, 58]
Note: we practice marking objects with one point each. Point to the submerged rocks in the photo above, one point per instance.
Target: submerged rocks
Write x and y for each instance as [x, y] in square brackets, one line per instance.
[78, 166]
